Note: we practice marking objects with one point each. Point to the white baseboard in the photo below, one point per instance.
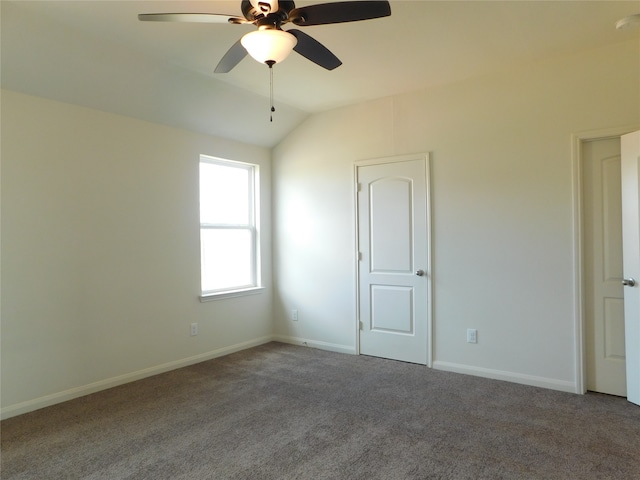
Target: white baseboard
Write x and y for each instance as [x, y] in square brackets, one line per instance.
[531, 380]
[59, 397]
[332, 347]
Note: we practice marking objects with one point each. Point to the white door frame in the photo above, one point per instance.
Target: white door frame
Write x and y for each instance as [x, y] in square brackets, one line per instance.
[429, 270]
[577, 140]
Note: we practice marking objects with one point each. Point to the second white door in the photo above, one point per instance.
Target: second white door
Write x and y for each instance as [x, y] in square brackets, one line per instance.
[393, 268]
[604, 309]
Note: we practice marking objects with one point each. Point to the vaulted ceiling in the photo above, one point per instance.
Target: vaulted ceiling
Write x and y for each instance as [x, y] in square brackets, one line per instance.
[97, 54]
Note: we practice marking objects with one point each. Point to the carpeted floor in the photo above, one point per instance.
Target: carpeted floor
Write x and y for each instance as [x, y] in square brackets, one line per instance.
[284, 412]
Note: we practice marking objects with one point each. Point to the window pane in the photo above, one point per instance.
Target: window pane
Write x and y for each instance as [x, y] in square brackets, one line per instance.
[225, 194]
[227, 259]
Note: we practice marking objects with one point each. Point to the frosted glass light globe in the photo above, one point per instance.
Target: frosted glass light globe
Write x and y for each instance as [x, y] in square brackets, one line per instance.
[269, 45]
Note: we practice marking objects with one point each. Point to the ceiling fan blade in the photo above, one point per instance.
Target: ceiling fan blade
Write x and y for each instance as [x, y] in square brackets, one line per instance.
[190, 18]
[313, 50]
[339, 12]
[233, 57]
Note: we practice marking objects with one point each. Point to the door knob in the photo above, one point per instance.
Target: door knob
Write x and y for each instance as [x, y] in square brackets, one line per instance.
[629, 282]
[420, 273]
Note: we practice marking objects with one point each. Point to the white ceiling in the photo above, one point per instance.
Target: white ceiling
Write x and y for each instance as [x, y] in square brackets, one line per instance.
[97, 54]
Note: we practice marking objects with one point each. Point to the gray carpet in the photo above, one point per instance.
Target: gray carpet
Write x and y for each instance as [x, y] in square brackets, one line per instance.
[285, 412]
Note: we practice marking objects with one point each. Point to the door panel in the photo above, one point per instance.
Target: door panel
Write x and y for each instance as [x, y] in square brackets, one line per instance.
[393, 245]
[390, 229]
[604, 316]
[630, 145]
[391, 310]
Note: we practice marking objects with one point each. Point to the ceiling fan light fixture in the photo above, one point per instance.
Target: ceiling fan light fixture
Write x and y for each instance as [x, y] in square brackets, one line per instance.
[269, 45]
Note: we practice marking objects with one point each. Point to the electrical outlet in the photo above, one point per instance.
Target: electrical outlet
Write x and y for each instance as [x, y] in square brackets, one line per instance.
[194, 329]
[472, 335]
[294, 315]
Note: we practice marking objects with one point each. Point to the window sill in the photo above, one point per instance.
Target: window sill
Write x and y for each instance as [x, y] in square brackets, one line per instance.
[212, 297]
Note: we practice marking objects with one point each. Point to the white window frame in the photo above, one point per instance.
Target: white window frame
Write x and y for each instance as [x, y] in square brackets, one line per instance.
[252, 226]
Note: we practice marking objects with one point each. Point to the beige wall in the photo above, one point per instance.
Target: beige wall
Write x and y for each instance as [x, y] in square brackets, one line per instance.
[100, 252]
[502, 206]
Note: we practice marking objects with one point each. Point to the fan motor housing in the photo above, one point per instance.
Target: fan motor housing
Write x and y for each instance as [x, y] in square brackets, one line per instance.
[263, 9]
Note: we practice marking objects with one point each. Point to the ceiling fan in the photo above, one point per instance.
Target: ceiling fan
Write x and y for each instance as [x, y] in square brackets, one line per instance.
[271, 44]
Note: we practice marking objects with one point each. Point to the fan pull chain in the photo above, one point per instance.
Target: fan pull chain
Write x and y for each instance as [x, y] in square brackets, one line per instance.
[273, 109]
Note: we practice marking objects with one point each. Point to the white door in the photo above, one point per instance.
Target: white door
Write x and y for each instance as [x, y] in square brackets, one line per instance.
[604, 312]
[630, 145]
[393, 266]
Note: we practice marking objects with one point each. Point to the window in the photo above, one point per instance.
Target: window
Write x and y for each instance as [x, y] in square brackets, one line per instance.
[229, 246]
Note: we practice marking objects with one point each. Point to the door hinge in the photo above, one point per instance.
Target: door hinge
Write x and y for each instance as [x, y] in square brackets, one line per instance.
[359, 187]
[359, 256]
[361, 325]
